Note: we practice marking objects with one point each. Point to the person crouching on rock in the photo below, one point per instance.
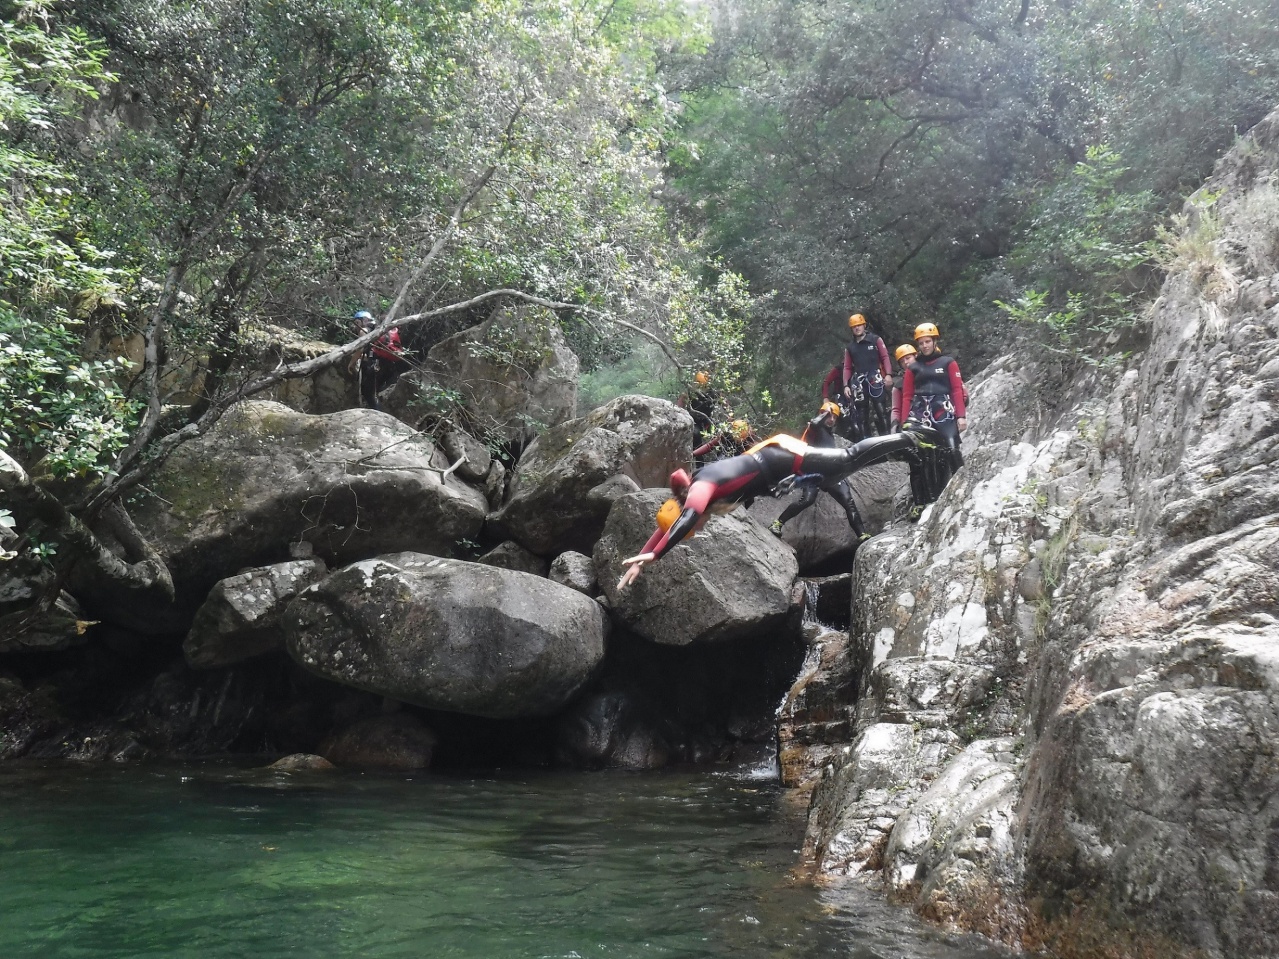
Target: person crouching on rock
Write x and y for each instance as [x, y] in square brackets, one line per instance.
[820, 432]
[720, 486]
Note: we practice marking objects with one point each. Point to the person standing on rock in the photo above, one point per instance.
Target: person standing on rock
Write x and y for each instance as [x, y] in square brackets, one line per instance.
[380, 362]
[702, 402]
[933, 395]
[776, 462]
[820, 432]
[867, 377]
[920, 488]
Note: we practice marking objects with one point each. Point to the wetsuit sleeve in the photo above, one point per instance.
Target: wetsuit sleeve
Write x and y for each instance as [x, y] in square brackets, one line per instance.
[848, 366]
[831, 377]
[957, 390]
[897, 404]
[699, 498]
[884, 366]
[908, 391]
[708, 446]
[654, 540]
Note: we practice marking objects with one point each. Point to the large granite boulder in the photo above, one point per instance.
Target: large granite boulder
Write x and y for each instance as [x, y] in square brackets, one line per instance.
[266, 347]
[735, 579]
[449, 635]
[512, 375]
[354, 483]
[240, 618]
[26, 620]
[568, 478]
[821, 535]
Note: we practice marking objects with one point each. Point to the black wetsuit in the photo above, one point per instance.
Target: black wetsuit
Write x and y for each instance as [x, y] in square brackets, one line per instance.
[866, 366]
[817, 434]
[933, 395]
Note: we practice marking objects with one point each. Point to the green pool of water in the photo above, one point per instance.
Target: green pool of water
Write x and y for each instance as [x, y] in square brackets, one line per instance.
[212, 862]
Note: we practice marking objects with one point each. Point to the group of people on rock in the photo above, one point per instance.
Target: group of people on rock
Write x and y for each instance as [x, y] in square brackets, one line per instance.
[919, 421]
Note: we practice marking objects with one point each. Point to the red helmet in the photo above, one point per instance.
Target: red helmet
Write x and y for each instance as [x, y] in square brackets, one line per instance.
[680, 482]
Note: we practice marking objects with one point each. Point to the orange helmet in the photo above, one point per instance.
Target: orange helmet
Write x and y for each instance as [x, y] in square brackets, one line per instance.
[856, 320]
[926, 329]
[741, 429]
[905, 350]
[668, 513]
[832, 408]
[702, 378]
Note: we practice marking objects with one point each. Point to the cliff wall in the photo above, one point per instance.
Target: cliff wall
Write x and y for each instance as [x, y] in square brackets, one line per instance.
[1068, 692]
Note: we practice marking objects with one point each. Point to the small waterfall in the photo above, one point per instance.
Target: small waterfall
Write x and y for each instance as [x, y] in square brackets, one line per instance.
[812, 593]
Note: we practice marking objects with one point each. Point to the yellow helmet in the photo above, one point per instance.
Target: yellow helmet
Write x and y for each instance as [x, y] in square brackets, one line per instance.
[832, 408]
[926, 329]
[856, 320]
[905, 350]
[668, 513]
[741, 429]
[702, 378]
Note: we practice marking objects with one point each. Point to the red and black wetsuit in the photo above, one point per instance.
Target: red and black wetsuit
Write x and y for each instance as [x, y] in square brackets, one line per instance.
[818, 434]
[763, 467]
[933, 394]
[868, 362]
[832, 386]
[380, 364]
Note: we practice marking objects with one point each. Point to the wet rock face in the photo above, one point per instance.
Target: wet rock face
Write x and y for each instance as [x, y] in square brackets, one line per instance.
[734, 581]
[354, 483]
[611, 729]
[449, 635]
[1103, 566]
[569, 477]
[816, 718]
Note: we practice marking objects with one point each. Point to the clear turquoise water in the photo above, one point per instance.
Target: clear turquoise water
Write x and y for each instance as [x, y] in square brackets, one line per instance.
[213, 862]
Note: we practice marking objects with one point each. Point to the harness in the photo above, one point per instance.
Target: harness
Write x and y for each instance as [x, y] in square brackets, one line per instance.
[865, 354]
[797, 448]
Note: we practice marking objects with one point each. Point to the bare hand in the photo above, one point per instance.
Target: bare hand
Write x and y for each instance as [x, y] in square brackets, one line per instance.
[962, 423]
[636, 564]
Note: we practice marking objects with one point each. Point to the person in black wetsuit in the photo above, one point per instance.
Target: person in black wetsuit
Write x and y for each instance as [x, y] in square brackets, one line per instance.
[820, 431]
[702, 402]
[725, 483]
[933, 395]
[867, 378]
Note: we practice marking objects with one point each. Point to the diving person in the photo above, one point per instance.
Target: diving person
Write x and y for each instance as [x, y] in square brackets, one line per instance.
[720, 486]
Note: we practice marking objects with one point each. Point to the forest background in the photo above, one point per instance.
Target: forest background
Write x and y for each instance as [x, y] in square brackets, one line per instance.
[680, 187]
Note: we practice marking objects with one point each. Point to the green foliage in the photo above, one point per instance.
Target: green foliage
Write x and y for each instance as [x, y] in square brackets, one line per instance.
[923, 159]
[645, 371]
[1089, 246]
[53, 404]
